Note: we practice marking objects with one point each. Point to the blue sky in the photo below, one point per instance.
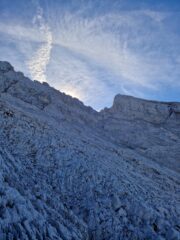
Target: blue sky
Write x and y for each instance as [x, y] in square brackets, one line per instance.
[94, 49]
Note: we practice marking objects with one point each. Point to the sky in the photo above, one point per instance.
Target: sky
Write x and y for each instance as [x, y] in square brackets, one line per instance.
[95, 49]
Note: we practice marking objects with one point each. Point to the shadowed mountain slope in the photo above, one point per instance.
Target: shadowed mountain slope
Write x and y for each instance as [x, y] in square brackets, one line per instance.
[69, 172]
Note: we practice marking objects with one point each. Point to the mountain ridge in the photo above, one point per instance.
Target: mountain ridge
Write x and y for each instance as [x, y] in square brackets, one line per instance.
[70, 172]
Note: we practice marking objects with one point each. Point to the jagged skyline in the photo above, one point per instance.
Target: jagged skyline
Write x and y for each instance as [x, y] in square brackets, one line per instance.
[95, 48]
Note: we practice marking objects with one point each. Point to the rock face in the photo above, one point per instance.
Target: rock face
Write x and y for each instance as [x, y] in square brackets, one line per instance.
[69, 172]
[153, 112]
[150, 128]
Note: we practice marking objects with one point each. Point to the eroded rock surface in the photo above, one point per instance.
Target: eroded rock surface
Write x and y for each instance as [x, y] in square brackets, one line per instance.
[69, 172]
[150, 128]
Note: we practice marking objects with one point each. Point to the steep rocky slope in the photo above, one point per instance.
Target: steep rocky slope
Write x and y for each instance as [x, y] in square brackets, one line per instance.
[69, 172]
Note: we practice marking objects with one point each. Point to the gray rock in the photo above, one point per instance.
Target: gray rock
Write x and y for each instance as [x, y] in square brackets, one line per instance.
[69, 172]
[5, 67]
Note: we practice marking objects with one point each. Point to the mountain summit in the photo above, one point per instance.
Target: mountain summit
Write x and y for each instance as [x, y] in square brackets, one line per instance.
[70, 172]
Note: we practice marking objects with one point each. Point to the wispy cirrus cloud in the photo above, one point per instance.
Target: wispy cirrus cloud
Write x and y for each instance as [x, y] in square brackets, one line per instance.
[37, 65]
[111, 48]
[128, 47]
[99, 49]
[20, 32]
[156, 16]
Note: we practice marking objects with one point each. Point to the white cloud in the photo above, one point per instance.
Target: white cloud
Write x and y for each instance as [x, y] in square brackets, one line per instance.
[37, 65]
[108, 42]
[95, 56]
[156, 16]
[106, 49]
[20, 32]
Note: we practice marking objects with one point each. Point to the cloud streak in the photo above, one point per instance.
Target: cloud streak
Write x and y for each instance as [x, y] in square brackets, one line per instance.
[106, 47]
[96, 52]
[123, 45]
[37, 65]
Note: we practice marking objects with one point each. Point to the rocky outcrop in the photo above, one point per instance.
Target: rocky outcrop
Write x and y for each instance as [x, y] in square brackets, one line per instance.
[151, 128]
[56, 104]
[69, 172]
[131, 108]
[5, 67]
